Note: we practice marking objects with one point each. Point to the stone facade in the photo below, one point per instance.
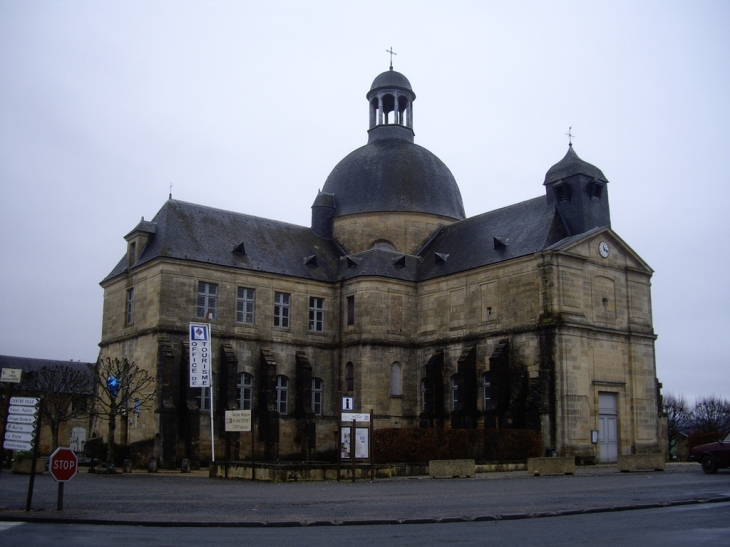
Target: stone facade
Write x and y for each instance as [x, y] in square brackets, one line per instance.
[528, 317]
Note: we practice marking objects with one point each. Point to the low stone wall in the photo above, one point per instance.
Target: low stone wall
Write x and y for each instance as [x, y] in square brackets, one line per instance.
[551, 466]
[287, 472]
[641, 462]
[499, 467]
[24, 466]
[451, 468]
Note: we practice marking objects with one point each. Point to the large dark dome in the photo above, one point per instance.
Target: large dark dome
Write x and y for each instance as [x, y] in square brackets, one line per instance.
[394, 174]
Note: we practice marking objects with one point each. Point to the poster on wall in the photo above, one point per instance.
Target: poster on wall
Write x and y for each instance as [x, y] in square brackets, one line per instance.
[362, 444]
[345, 444]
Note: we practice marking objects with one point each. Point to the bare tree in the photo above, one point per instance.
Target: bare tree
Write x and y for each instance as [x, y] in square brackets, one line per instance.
[65, 391]
[116, 384]
[678, 417]
[711, 414]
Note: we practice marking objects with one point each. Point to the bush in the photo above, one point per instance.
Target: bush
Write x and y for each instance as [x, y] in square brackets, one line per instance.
[422, 445]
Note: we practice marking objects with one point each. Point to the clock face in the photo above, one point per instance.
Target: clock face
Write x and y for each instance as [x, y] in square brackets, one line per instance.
[603, 249]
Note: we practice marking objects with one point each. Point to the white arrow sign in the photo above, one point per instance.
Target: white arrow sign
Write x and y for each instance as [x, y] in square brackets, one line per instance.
[24, 410]
[24, 401]
[14, 445]
[15, 419]
[20, 437]
[20, 428]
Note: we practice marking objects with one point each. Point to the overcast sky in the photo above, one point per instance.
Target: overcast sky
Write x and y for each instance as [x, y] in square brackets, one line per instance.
[247, 106]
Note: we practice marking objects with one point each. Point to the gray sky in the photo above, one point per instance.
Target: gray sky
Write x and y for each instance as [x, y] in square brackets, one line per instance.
[248, 106]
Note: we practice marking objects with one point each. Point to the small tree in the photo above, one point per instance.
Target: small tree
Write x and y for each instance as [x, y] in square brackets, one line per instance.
[116, 383]
[678, 414]
[711, 414]
[65, 391]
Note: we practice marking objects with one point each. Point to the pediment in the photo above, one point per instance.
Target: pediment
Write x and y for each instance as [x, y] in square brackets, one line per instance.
[586, 246]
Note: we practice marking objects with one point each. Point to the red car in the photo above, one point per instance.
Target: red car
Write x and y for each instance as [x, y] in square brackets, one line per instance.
[712, 456]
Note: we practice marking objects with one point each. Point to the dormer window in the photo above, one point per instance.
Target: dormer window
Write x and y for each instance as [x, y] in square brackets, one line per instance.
[131, 254]
[562, 192]
[596, 188]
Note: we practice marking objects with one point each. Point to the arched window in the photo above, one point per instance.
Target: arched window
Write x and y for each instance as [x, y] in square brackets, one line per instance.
[317, 396]
[384, 245]
[349, 377]
[282, 395]
[244, 390]
[395, 379]
[454, 391]
[486, 389]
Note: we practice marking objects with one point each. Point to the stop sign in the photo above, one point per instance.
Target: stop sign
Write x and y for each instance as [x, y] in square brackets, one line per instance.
[63, 464]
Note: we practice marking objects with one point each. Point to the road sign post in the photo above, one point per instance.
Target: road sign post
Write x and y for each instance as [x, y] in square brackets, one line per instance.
[63, 465]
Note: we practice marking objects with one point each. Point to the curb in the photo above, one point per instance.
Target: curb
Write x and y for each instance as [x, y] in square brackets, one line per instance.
[362, 522]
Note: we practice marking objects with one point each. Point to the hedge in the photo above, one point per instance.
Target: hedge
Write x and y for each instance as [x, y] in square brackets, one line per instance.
[422, 445]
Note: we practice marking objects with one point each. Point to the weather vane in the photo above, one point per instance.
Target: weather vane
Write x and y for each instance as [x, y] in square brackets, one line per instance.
[391, 56]
[570, 136]
[170, 190]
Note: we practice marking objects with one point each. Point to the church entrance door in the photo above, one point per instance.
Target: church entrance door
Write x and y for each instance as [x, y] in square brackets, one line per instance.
[607, 430]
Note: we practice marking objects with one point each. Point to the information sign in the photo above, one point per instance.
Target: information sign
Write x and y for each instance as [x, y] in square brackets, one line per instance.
[238, 420]
[15, 419]
[350, 416]
[348, 403]
[14, 445]
[20, 437]
[23, 410]
[200, 355]
[24, 401]
[20, 428]
[11, 375]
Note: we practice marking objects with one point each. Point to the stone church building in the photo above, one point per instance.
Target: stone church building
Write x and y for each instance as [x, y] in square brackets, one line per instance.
[533, 316]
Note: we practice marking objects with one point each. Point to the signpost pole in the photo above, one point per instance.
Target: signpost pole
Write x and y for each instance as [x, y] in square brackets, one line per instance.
[59, 500]
[36, 448]
[253, 445]
[371, 446]
[212, 433]
[353, 440]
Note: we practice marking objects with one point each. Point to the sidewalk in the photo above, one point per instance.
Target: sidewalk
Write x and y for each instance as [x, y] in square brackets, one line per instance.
[176, 499]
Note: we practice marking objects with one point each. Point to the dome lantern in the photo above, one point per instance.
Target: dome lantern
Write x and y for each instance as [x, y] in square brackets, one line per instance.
[391, 104]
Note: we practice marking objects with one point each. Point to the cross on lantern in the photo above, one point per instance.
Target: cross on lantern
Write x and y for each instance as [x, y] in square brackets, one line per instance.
[391, 56]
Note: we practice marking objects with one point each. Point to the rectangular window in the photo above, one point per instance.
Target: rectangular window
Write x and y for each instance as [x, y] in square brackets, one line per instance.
[245, 391]
[454, 392]
[244, 305]
[129, 315]
[207, 300]
[281, 310]
[316, 314]
[486, 389]
[203, 398]
[350, 310]
[282, 395]
[317, 396]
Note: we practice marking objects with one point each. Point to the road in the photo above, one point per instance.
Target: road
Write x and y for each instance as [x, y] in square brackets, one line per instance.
[696, 525]
[681, 506]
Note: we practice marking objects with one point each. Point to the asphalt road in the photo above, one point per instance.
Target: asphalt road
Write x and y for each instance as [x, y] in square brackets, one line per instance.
[704, 525]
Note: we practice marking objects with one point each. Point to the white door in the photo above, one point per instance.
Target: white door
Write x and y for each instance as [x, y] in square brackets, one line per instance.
[607, 430]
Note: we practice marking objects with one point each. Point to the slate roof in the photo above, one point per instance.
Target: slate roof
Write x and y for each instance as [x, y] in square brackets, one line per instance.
[394, 174]
[197, 233]
[27, 364]
[521, 229]
[390, 79]
[190, 232]
[571, 165]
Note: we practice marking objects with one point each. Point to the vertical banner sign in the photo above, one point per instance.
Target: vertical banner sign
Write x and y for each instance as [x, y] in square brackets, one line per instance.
[199, 355]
